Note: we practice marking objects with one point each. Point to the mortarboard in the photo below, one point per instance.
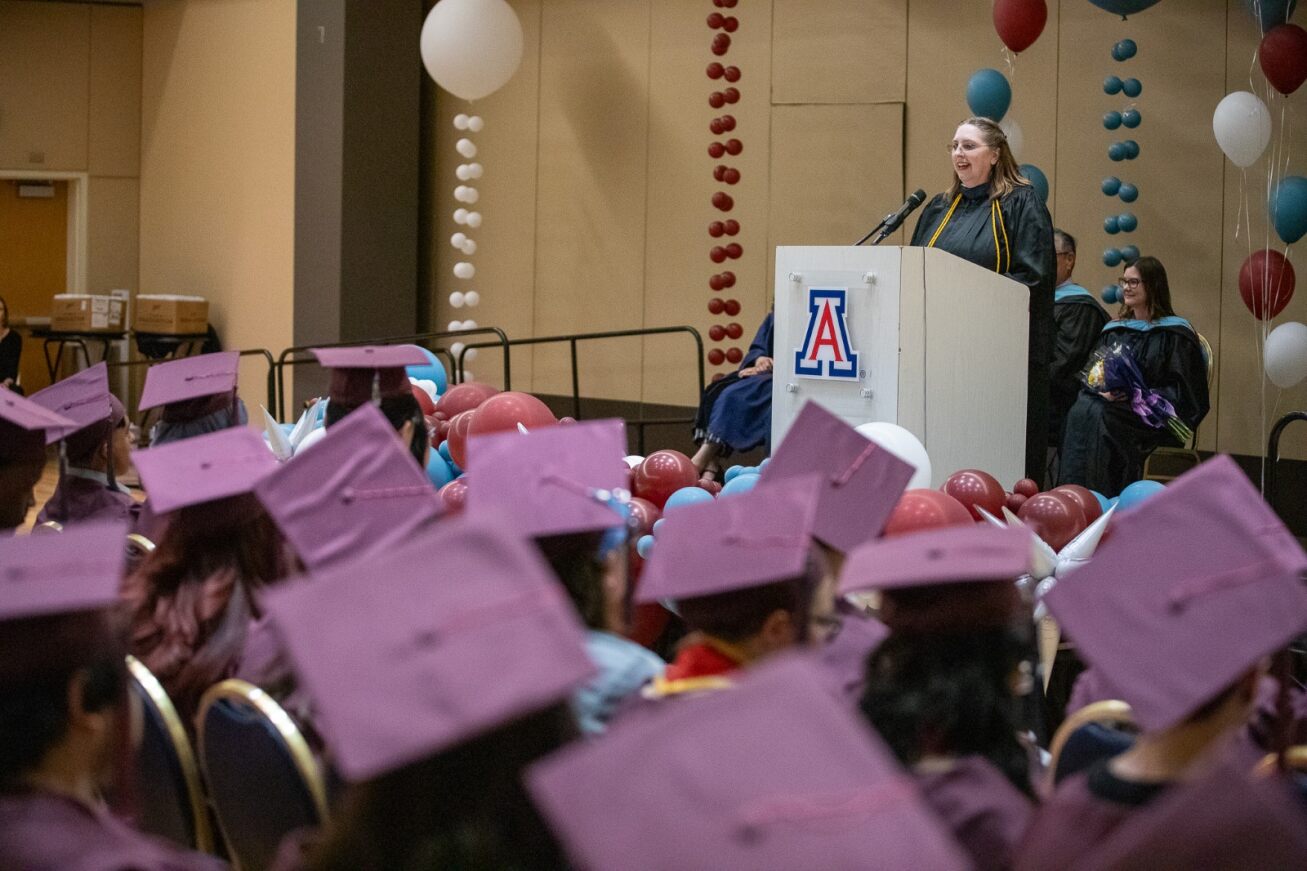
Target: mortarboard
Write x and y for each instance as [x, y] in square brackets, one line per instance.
[25, 426]
[85, 399]
[355, 368]
[77, 570]
[191, 378]
[212, 466]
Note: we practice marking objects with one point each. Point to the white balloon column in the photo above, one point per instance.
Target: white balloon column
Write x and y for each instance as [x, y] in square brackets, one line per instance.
[471, 48]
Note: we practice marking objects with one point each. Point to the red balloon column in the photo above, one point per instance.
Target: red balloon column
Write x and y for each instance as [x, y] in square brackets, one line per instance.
[723, 97]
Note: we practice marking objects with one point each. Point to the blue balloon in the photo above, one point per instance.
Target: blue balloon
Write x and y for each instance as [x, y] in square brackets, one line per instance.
[1132, 88]
[443, 450]
[1127, 222]
[1129, 193]
[1111, 294]
[1111, 185]
[765, 461]
[1112, 85]
[686, 496]
[658, 524]
[1112, 120]
[742, 484]
[1131, 149]
[1037, 180]
[1112, 257]
[1125, 49]
[1112, 225]
[1117, 151]
[1139, 491]
[644, 546]
[432, 371]
[1129, 254]
[988, 94]
[1131, 118]
[1269, 13]
[732, 473]
[1103, 502]
[1123, 7]
[439, 472]
[1289, 208]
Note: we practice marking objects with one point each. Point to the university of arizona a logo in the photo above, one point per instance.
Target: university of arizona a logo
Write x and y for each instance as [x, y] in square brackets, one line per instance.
[826, 351]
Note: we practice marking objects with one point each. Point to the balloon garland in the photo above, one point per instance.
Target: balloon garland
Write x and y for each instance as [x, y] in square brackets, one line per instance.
[722, 229]
[1128, 117]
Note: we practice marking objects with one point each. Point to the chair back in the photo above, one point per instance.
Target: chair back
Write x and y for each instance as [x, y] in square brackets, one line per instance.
[1090, 735]
[49, 527]
[138, 548]
[263, 779]
[169, 795]
[1209, 357]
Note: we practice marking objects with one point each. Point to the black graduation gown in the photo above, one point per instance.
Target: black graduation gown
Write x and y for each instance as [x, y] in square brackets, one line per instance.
[1020, 246]
[1077, 319]
[1106, 443]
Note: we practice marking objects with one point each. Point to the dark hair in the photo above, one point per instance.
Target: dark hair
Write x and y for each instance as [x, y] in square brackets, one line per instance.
[463, 808]
[575, 560]
[4, 313]
[1068, 241]
[949, 694]
[1153, 275]
[738, 615]
[396, 409]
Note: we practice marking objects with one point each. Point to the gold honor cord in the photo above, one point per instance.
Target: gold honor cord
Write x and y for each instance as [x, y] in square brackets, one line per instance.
[944, 223]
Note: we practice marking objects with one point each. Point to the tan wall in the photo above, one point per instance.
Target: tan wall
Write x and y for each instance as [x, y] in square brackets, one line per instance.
[217, 165]
[597, 184]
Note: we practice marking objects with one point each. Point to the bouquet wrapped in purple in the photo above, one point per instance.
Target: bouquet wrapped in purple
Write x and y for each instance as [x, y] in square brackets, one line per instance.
[1114, 370]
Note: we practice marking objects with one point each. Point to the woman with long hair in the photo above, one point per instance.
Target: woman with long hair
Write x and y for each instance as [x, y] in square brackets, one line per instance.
[11, 351]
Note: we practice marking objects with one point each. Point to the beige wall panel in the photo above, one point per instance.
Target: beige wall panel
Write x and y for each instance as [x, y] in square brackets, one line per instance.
[113, 246]
[1243, 424]
[44, 70]
[681, 186]
[115, 87]
[218, 165]
[590, 214]
[506, 244]
[838, 51]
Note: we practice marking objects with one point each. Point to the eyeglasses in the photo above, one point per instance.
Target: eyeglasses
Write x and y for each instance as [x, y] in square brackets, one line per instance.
[1130, 282]
[966, 146]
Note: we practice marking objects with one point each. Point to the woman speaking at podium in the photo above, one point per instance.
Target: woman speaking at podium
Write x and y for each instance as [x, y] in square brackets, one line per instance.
[992, 216]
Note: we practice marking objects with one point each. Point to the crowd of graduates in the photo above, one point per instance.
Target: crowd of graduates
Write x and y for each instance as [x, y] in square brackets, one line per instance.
[823, 695]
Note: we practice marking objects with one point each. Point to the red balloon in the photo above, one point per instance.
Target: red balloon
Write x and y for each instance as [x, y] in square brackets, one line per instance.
[713, 487]
[732, 307]
[454, 494]
[716, 99]
[1085, 498]
[1054, 517]
[926, 509]
[716, 228]
[663, 473]
[715, 282]
[1019, 22]
[717, 332]
[732, 226]
[1283, 57]
[1266, 282]
[717, 254]
[716, 70]
[728, 277]
[723, 201]
[504, 411]
[424, 400]
[434, 434]
[974, 488]
[646, 515]
[728, 122]
[731, 95]
[734, 330]
[1026, 487]
[464, 397]
[457, 437]
[715, 20]
[716, 150]
[731, 175]
[1015, 501]
[715, 305]
[721, 43]
[732, 74]
[734, 146]
[730, 24]
[716, 357]
[735, 355]
[718, 376]
[735, 250]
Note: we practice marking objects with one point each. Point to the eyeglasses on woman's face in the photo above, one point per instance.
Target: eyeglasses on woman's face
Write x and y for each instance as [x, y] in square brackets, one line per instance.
[1130, 282]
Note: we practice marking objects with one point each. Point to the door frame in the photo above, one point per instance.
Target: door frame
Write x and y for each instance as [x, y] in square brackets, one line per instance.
[77, 219]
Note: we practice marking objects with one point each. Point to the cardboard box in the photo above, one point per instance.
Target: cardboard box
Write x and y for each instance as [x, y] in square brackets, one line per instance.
[171, 314]
[86, 313]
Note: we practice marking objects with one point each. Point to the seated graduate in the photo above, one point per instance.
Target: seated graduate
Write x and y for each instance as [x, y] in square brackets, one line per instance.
[24, 429]
[735, 411]
[368, 373]
[744, 575]
[439, 671]
[197, 395]
[774, 775]
[1150, 390]
[943, 689]
[1078, 320]
[191, 598]
[1176, 611]
[94, 456]
[63, 708]
[563, 488]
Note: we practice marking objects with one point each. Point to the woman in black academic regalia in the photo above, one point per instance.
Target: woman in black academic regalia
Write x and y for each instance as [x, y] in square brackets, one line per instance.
[992, 216]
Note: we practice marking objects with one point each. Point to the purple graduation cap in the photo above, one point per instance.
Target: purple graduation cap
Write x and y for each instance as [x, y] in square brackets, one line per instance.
[411, 652]
[774, 774]
[25, 426]
[85, 399]
[355, 369]
[550, 481]
[78, 570]
[1200, 583]
[204, 468]
[861, 481]
[191, 378]
[355, 491]
[748, 540]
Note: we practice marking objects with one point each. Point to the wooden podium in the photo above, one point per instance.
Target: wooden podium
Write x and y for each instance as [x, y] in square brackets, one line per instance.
[912, 336]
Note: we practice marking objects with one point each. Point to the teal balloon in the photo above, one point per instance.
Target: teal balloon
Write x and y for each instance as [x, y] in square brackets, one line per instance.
[1112, 257]
[443, 450]
[1131, 149]
[1037, 180]
[1132, 88]
[764, 463]
[1129, 193]
[1111, 225]
[1112, 120]
[1269, 13]
[988, 94]
[1129, 254]
[1127, 222]
[1111, 294]
[644, 546]
[1289, 208]
[1123, 7]
[1111, 185]
[1138, 493]
[439, 472]
[1112, 85]
[686, 496]
[732, 473]
[432, 371]
[658, 524]
[742, 484]
[1103, 502]
[1117, 151]
[1125, 49]
[1131, 118]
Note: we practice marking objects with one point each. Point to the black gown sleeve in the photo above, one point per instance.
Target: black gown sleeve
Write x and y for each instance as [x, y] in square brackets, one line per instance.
[929, 219]
[1175, 367]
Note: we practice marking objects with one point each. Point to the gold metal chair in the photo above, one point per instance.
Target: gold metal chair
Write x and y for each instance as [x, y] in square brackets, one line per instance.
[170, 794]
[263, 778]
[49, 527]
[1295, 759]
[1111, 713]
[1174, 462]
[138, 548]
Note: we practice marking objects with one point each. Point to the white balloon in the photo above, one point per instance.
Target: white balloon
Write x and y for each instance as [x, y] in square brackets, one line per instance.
[311, 439]
[455, 326]
[460, 216]
[463, 269]
[633, 460]
[469, 325]
[474, 219]
[466, 147]
[461, 193]
[457, 298]
[468, 376]
[475, 170]
[463, 173]
[456, 349]
[460, 121]
[902, 444]
[471, 47]
[1242, 125]
[469, 247]
[458, 240]
[472, 298]
[1016, 138]
[1286, 354]
[470, 355]
[475, 123]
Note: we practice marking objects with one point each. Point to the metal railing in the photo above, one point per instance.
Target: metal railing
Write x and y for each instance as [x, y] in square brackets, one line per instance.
[271, 384]
[1273, 451]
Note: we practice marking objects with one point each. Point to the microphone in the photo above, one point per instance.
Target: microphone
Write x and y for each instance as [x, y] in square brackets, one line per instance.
[894, 220]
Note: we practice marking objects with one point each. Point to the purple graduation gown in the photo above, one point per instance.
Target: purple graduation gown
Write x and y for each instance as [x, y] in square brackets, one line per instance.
[986, 814]
[42, 831]
[79, 499]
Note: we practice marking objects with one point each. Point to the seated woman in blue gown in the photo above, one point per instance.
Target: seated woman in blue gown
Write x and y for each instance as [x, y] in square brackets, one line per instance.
[735, 411]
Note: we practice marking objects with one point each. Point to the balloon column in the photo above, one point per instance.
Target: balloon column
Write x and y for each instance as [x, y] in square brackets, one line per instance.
[1121, 123]
[471, 48]
[723, 229]
[1019, 24]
